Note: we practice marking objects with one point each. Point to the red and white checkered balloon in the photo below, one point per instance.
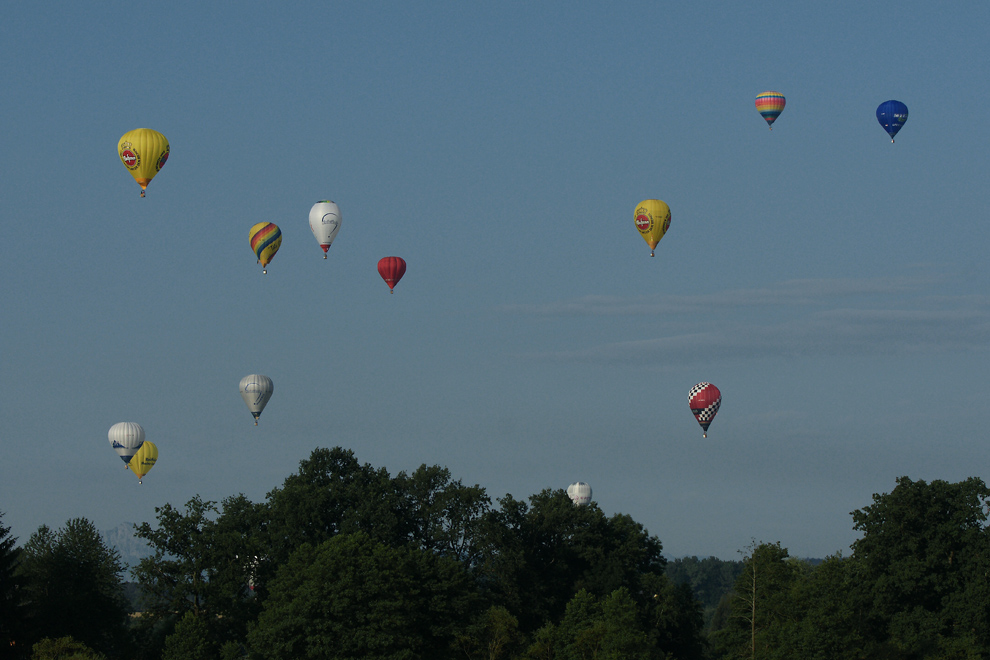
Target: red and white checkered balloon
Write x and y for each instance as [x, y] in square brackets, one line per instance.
[704, 399]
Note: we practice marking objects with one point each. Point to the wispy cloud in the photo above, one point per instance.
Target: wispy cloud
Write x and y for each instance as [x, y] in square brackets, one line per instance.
[819, 317]
[790, 292]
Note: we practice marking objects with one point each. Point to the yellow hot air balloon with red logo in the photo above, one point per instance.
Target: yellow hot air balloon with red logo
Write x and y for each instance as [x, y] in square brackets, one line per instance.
[144, 459]
[652, 220]
[143, 152]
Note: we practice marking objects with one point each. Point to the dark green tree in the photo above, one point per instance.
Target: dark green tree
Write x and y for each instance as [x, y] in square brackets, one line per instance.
[206, 562]
[673, 619]
[190, 640]
[63, 648]
[827, 614]
[445, 514]
[355, 597]
[536, 557]
[73, 588]
[177, 578]
[11, 612]
[606, 629]
[334, 494]
[761, 606]
[710, 579]
[493, 636]
[924, 559]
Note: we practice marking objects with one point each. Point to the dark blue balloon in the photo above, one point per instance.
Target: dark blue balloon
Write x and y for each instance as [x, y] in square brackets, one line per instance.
[892, 115]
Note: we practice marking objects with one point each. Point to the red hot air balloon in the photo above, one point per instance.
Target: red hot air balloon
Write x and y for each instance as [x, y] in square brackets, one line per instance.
[391, 269]
[704, 399]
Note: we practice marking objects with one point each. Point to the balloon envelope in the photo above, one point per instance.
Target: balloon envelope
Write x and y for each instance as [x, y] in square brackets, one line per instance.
[143, 152]
[391, 269]
[652, 219]
[144, 460]
[266, 238]
[324, 221]
[770, 105]
[580, 493]
[256, 390]
[704, 399]
[892, 115]
[126, 438]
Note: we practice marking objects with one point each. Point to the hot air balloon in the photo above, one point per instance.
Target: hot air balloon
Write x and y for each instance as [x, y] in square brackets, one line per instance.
[324, 220]
[265, 238]
[391, 269]
[770, 105]
[892, 115]
[144, 460]
[126, 438]
[652, 220]
[143, 152]
[704, 399]
[256, 390]
[580, 493]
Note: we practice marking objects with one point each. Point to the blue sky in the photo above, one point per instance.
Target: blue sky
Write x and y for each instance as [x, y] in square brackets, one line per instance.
[833, 285]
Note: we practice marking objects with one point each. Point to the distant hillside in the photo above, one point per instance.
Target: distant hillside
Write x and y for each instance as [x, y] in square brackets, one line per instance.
[132, 549]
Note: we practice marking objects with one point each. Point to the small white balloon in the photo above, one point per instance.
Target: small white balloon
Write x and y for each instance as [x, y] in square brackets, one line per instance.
[580, 493]
[256, 390]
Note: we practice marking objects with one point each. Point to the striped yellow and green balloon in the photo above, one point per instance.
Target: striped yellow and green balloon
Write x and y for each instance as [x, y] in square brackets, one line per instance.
[143, 152]
[266, 238]
[770, 105]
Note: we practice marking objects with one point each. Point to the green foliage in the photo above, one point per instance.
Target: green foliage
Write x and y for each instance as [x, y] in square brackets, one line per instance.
[915, 588]
[176, 578]
[334, 494]
[73, 587]
[345, 561]
[63, 648]
[673, 618]
[924, 559]
[204, 563]
[536, 557]
[761, 604]
[827, 614]
[189, 641]
[609, 629]
[494, 635]
[710, 579]
[445, 514]
[11, 614]
[231, 651]
[354, 597]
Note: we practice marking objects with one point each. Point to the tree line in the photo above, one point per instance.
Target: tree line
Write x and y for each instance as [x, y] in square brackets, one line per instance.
[344, 560]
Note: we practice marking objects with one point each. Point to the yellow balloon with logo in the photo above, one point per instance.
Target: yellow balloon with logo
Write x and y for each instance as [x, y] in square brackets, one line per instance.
[143, 152]
[144, 459]
[265, 239]
[652, 220]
